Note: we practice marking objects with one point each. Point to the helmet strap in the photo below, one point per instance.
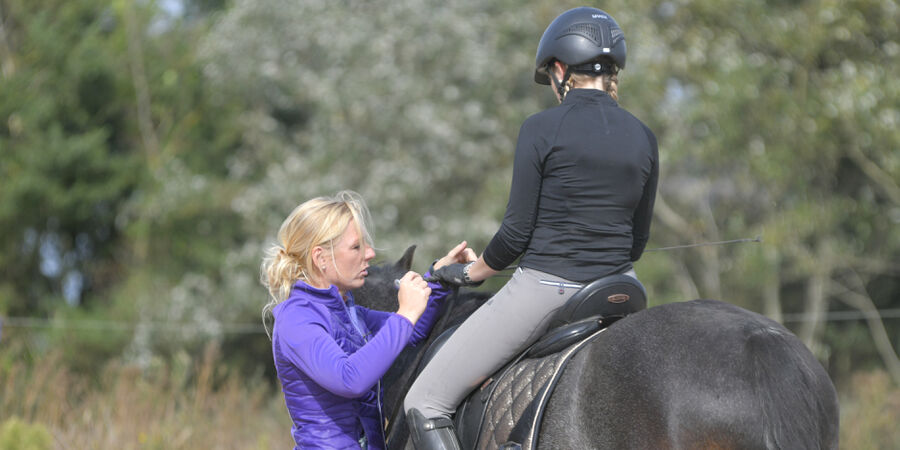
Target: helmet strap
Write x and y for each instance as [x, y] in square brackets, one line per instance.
[597, 68]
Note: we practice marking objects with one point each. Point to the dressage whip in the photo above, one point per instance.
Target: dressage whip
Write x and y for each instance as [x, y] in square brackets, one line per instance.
[703, 244]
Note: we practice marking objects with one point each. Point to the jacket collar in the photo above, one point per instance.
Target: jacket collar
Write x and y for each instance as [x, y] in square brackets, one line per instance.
[330, 297]
[589, 95]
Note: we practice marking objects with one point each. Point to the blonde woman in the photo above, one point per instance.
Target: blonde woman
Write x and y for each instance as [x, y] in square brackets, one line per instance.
[329, 353]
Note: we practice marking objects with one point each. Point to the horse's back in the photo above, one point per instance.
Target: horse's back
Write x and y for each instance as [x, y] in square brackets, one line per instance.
[700, 374]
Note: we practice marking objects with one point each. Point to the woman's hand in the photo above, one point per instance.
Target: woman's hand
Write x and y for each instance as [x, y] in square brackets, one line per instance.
[412, 296]
[458, 254]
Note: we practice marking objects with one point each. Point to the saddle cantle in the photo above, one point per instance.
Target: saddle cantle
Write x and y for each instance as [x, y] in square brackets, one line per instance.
[507, 409]
[605, 301]
[611, 298]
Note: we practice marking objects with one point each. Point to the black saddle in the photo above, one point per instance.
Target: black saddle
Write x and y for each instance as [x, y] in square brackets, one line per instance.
[594, 307]
[605, 300]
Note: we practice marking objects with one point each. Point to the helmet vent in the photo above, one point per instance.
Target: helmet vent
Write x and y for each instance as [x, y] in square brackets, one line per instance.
[617, 34]
[586, 30]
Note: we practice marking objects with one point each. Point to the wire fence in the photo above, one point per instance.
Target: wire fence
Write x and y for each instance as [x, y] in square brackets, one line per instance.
[840, 316]
[114, 325]
[257, 328]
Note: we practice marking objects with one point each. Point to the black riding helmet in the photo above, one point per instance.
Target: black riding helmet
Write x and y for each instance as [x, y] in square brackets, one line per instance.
[585, 39]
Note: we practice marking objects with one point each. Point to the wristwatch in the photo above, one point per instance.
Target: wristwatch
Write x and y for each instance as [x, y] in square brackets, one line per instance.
[466, 273]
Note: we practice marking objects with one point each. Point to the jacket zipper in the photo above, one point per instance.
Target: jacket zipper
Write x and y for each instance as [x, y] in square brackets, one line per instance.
[354, 320]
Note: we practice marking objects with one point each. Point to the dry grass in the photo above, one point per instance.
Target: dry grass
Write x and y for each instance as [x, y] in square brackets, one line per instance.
[870, 412]
[176, 406]
[197, 404]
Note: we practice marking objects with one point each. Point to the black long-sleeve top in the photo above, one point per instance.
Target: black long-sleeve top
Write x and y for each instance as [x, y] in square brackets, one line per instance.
[583, 186]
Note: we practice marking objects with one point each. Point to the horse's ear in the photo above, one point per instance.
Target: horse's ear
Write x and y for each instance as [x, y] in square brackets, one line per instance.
[405, 261]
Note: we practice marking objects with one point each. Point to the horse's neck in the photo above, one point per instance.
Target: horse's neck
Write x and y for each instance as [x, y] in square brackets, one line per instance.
[402, 373]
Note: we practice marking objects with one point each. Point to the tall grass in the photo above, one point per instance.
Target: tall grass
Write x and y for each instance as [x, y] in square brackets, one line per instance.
[180, 405]
[199, 404]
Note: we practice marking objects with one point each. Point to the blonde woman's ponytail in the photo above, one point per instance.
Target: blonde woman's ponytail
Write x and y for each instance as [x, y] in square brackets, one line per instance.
[279, 271]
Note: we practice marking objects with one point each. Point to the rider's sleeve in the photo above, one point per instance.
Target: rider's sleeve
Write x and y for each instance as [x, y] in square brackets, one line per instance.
[644, 212]
[310, 347]
[524, 194]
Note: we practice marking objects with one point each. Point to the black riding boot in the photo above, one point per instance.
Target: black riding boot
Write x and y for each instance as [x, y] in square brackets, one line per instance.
[431, 434]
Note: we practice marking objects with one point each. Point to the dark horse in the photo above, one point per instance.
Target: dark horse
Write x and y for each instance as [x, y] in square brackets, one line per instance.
[697, 374]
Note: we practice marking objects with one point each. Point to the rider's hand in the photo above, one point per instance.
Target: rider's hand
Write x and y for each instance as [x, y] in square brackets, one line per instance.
[455, 274]
[458, 254]
[412, 296]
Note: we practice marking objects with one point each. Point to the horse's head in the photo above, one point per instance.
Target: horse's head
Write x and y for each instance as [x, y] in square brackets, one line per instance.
[379, 291]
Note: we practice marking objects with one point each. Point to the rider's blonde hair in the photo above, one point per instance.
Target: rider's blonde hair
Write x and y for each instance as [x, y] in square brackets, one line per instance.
[316, 222]
[610, 83]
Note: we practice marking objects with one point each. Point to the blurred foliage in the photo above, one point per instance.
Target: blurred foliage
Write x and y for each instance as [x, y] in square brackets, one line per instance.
[117, 178]
[67, 164]
[411, 103]
[18, 435]
[150, 150]
[775, 120]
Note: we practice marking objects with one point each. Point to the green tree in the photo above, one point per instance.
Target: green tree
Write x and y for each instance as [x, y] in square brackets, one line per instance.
[780, 121]
[66, 165]
[149, 156]
[116, 169]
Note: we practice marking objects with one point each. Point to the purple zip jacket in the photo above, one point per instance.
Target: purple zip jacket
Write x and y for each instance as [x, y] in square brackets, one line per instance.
[330, 356]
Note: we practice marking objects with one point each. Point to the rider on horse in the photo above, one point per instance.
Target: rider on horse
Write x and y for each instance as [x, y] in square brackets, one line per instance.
[583, 187]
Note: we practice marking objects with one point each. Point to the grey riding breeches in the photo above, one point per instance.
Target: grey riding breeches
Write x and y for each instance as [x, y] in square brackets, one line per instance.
[514, 318]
